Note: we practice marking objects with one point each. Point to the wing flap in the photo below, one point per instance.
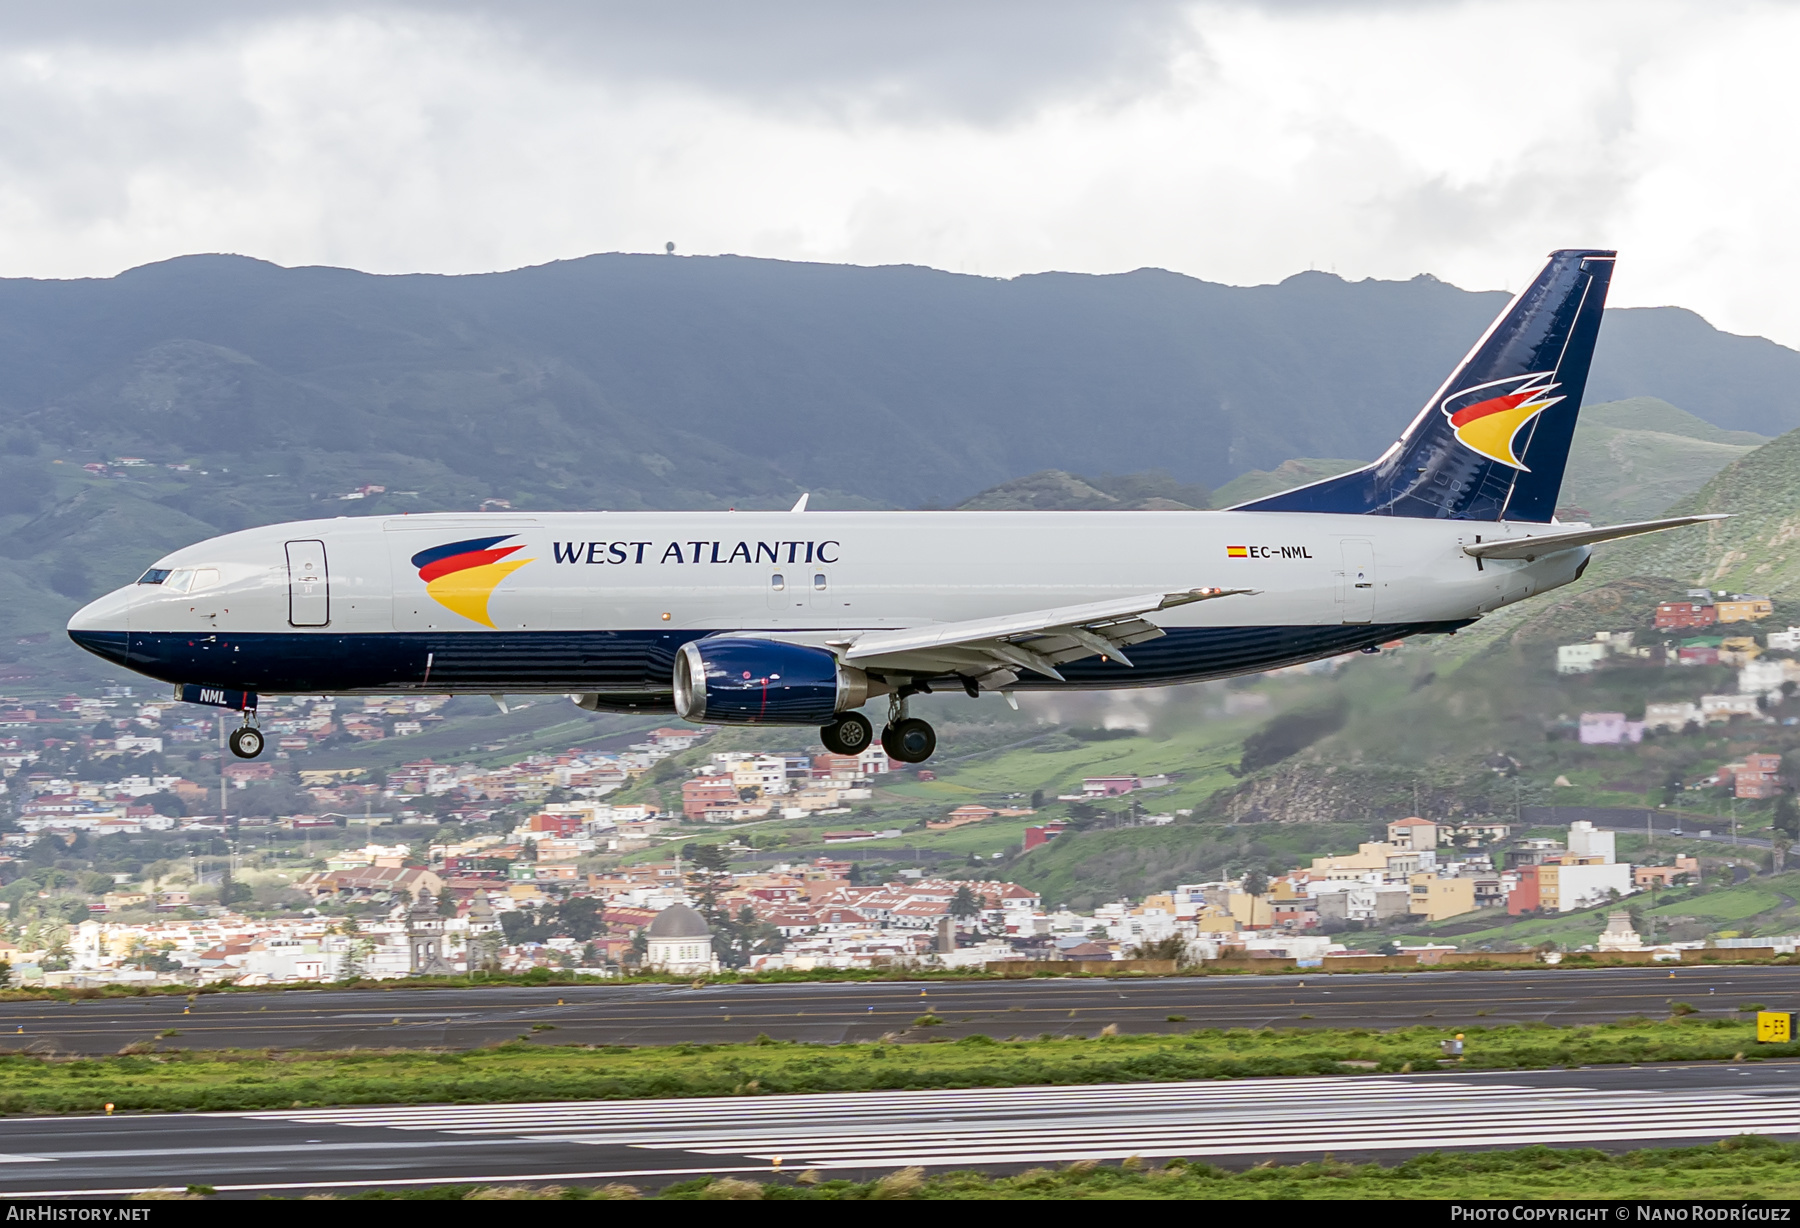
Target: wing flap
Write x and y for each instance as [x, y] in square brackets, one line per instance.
[1038, 640]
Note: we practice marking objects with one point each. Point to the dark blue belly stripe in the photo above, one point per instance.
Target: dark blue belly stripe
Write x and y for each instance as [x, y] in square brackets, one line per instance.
[478, 662]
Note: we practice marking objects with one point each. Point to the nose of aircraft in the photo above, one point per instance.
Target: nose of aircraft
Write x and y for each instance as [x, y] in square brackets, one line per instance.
[101, 626]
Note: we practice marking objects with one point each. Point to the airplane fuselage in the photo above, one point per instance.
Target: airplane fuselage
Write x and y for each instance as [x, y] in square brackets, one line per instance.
[602, 602]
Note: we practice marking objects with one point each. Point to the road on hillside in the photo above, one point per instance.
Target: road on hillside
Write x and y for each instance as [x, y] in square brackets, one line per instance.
[653, 1142]
[863, 1011]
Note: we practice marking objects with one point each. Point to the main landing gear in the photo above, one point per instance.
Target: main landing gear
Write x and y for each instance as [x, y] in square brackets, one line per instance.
[906, 739]
[910, 740]
[849, 734]
[246, 742]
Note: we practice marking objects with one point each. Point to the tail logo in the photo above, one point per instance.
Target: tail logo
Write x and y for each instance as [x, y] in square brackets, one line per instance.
[1489, 418]
[461, 576]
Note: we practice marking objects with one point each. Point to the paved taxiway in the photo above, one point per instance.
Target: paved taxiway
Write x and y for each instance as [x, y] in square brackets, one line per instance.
[669, 1014]
[652, 1142]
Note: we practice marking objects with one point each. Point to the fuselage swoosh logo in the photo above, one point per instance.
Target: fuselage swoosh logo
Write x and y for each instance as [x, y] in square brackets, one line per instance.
[461, 576]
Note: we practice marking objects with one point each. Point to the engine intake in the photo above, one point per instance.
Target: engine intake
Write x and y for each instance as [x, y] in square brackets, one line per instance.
[763, 682]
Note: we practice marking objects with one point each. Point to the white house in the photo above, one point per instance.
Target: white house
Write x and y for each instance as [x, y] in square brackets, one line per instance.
[1724, 707]
[1674, 717]
[1586, 886]
[1761, 678]
[1579, 658]
[1609, 729]
[1585, 840]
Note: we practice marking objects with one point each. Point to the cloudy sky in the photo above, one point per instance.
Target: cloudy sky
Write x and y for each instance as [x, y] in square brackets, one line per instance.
[1238, 142]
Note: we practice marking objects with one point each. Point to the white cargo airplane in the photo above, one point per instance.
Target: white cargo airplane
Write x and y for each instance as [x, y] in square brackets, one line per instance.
[801, 618]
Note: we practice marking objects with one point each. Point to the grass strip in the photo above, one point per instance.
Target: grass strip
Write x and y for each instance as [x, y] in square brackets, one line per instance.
[147, 1079]
[1740, 1168]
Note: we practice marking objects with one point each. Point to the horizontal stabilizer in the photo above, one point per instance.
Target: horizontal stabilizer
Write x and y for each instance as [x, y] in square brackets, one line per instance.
[1539, 544]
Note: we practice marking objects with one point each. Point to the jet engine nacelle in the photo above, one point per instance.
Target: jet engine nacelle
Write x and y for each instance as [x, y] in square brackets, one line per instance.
[734, 681]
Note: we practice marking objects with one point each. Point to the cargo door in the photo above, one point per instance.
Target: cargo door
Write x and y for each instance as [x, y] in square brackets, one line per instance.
[1356, 584]
[309, 589]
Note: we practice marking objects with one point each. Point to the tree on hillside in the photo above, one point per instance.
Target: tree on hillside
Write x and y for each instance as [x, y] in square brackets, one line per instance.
[1787, 816]
[1289, 734]
[744, 936]
[1173, 947]
[711, 858]
[1256, 883]
[964, 903]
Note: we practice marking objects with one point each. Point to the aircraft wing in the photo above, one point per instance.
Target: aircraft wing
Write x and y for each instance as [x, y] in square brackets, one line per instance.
[1540, 544]
[995, 649]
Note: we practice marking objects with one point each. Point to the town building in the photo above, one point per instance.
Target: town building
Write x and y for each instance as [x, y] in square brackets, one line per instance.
[1438, 899]
[1717, 709]
[1579, 658]
[1682, 615]
[1740, 608]
[1588, 842]
[1673, 717]
[1609, 729]
[680, 941]
[1618, 934]
[1758, 776]
[1413, 834]
[425, 938]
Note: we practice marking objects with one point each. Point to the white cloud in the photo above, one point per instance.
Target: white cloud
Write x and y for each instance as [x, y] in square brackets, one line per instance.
[1235, 142]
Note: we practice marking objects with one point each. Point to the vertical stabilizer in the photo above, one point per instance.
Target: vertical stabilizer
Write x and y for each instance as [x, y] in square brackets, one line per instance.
[1492, 442]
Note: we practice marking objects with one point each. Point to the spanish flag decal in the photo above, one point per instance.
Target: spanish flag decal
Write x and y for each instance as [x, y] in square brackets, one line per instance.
[1237, 552]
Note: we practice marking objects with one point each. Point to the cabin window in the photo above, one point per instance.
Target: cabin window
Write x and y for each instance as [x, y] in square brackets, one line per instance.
[777, 582]
[204, 577]
[156, 575]
[819, 582]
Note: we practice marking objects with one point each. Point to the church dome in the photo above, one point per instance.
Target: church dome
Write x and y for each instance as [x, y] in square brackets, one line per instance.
[678, 921]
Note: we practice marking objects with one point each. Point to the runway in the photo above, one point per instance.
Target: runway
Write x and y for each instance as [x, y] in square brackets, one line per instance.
[862, 1011]
[653, 1142]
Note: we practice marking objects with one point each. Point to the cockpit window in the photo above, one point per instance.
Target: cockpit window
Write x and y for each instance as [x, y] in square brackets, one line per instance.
[185, 579]
[156, 575]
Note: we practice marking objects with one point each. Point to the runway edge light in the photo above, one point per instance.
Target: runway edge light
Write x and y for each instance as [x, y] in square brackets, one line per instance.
[1774, 1027]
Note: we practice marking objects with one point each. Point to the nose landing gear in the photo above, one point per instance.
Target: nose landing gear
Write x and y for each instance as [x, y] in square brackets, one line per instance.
[246, 742]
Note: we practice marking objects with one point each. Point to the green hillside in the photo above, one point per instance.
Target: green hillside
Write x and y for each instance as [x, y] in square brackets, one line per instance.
[1052, 490]
[1261, 483]
[1631, 459]
[1755, 551]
